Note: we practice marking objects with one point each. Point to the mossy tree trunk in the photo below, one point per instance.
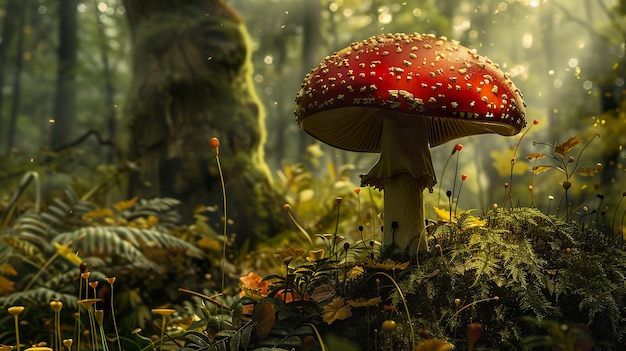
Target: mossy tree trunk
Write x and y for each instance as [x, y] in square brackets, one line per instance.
[191, 81]
[64, 112]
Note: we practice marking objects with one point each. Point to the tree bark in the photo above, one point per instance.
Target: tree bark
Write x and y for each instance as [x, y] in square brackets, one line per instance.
[65, 96]
[12, 21]
[17, 76]
[191, 82]
[311, 42]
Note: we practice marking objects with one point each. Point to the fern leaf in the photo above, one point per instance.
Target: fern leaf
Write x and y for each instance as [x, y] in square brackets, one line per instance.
[38, 297]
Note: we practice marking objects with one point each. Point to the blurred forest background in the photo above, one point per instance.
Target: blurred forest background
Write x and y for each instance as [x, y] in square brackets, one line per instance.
[65, 76]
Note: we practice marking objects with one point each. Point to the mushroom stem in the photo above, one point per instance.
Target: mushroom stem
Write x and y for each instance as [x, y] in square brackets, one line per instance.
[404, 170]
[404, 204]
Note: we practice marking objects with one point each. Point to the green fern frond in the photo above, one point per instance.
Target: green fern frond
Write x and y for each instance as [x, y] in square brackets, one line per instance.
[163, 208]
[23, 247]
[31, 222]
[126, 242]
[37, 297]
[105, 241]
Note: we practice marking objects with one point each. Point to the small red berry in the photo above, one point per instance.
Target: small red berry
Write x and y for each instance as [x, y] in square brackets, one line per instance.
[215, 144]
[457, 147]
[506, 185]
[357, 191]
[463, 176]
[535, 122]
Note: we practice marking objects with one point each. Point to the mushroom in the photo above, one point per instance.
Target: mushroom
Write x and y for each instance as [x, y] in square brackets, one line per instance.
[398, 95]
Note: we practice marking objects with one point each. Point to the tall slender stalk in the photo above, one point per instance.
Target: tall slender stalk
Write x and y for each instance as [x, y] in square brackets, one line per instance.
[215, 144]
[112, 280]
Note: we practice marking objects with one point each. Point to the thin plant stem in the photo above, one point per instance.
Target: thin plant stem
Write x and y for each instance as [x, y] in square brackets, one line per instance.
[57, 328]
[92, 329]
[301, 229]
[369, 188]
[17, 332]
[456, 171]
[333, 244]
[163, 325]
[441, 179]
[619, 203]
[622, 225]
[495, 298]
[509, 194]
[406, 307]
[211, 299]
[78, 324]
[215, 144]
[111, 281]
[458, 195]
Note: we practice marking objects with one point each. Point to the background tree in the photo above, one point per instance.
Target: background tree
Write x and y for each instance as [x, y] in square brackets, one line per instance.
[191, 80]
[16, 23]
[64, 114]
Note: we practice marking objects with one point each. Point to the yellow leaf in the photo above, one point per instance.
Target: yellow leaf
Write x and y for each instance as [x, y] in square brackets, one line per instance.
[152, 221]
[209, 244]
[291, 252]
[567, 146]
[354, 273]
[331, 170]
[124, 205]
[315, 255]
[7, 269]
[540, 169]
[444, 215]
[336, 310]
[254, 294]
[6, 286]
[473, 222]
[102, 212]
[387, 264]
[315, 150]
[362, 302]
[588, 171]
[535, 156]
[67, 253]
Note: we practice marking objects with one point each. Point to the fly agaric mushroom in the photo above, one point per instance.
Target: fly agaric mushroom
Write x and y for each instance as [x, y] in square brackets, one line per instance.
[396, 95]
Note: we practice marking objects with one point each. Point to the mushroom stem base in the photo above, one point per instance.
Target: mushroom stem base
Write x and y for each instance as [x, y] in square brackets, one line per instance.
[409, 236]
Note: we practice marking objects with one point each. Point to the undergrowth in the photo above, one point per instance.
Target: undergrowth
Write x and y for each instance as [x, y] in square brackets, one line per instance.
[510, 278]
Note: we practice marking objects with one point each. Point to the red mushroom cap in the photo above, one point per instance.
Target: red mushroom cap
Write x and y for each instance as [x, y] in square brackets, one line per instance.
[342, 101]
